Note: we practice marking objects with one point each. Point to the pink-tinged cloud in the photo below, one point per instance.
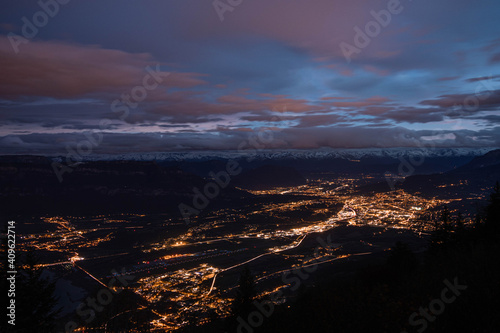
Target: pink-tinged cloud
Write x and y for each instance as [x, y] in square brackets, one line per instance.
[318, 26]
[62, 70]
[274, 102]
[7, 27]
[184, 80]
[375, 70]
[272, 118]
[192, 107]
[347, 72]
[384, 54]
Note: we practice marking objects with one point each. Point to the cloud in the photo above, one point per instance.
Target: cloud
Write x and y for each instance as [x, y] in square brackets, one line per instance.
[230, 104]
[269, 118]
[492, 119]
[404, 114]
[269, 63]
[415, 115]
[481, 101]
[64, 70]
[483, 78]
[372, 101]
[232, 139]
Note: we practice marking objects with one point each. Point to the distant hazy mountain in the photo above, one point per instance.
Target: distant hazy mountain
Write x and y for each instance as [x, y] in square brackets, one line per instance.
[490, 159]
[310, 162]
[477, 176]
[159, 182]
[316, 154]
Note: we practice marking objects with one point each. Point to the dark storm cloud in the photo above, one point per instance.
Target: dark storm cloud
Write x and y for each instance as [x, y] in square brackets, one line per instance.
[483, 78]
[479, 101]
[492, 119]
[415, 115]
[321, 120]
[272, 118]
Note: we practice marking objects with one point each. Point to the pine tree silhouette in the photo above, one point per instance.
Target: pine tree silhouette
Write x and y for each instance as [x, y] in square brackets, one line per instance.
[246, 292]
[402, 259]
[242, 304]
[459, 222]
[442, 231]
[35, 300]
[493, 211]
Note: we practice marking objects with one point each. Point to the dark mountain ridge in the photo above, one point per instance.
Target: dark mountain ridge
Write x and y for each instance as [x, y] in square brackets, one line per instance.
[269, 176]
[29, 185]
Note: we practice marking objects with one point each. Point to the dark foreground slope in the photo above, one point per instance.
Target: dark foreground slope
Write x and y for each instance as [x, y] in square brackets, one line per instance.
[453, 287]
[383, 300]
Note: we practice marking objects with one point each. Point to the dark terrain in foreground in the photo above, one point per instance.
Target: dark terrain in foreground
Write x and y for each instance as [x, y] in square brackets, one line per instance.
[454, 286]
[386, 292]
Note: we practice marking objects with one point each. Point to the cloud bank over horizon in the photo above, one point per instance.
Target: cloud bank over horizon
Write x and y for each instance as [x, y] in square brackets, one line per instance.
[168, 76]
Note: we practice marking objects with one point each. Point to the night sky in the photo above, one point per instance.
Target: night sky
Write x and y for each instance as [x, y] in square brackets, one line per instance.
[196, 74]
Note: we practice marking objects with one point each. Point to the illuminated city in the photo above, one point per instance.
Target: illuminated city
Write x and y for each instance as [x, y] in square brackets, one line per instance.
[190, 272]
[241, 166]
